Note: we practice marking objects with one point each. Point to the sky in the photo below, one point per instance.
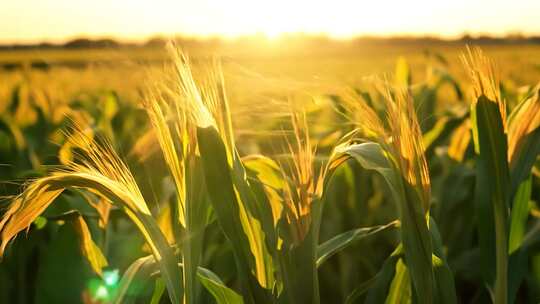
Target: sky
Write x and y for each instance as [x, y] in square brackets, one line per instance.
[59, 20]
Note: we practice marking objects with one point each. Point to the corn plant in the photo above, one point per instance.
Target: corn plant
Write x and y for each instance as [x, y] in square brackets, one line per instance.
[99, 170]
[506, 149]
[417, 268]
[270, 208]
[271, 215]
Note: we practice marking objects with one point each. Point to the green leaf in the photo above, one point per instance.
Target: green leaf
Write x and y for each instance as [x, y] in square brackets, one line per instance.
[518, 263]
[117, 185]
[63, 272]
[414, 230]
[371, 156]
[492, 193]
[159, 288]
[343, 240]
[222, 294]
[197, 215]
[400, 288]
[267, 183]
[523, 159]
[519, 215]
[133, 280]
[445, 289]
[443, 128]
[240, 228]
[379, 292]
[524, 138]
[360, 290]
[298, 271]
[141, 270]
[518, 224]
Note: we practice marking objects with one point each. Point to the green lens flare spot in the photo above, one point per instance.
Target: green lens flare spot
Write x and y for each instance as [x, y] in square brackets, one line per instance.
[111, 277]
[40, 222]
[98, 290]
[101, 293]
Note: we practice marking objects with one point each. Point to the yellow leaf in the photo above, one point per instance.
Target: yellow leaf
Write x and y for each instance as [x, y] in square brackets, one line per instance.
[460, 141]
[88, 248]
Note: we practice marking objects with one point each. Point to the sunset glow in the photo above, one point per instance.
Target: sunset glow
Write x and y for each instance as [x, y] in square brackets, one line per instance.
[58, 20]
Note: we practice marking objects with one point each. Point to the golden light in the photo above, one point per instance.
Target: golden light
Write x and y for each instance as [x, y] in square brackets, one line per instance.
[138, 19]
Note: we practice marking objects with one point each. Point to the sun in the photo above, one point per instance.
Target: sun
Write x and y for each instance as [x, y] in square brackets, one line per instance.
[232, 18]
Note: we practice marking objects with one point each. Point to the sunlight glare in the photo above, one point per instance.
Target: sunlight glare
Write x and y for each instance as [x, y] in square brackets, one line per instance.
[232, 18]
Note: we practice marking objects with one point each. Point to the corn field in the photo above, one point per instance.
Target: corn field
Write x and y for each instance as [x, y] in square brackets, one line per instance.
[380, 193]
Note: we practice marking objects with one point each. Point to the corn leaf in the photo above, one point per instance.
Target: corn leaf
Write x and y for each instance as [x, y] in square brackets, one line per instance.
[343, 240]
[360, 290]
[519, 215]
[443, 128]
[518, 223]
[524, 159]
[222, 294]
[89, 249]
[380, 289]
[402, 73]
[298, 270]
[239, 228]
[523, 150]
[445, 289]
[414, 230]
[133, 279]
[142, 269]
[523, 139]
[400, 288]
[492, 193]
[159, 288]
[106, 175]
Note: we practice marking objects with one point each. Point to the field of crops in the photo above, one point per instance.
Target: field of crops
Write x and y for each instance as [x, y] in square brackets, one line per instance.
[377, 174]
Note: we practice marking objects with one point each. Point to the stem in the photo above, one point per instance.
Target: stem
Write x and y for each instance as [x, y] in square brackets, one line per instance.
[501, 279]
[186, 259]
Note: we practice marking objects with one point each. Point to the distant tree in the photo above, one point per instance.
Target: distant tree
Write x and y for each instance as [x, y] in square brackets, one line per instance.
[156, 42]
[82, 43]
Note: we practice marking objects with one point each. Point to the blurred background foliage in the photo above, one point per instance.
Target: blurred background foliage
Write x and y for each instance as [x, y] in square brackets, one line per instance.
[102, 88]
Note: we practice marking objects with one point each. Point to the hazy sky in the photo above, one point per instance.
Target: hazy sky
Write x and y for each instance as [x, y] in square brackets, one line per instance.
[58, 20]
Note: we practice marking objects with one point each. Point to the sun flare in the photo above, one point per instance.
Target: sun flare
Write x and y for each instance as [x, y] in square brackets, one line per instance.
[340, 18]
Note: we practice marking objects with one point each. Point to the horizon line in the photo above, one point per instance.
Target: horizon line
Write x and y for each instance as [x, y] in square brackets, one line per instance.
[128, 39]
